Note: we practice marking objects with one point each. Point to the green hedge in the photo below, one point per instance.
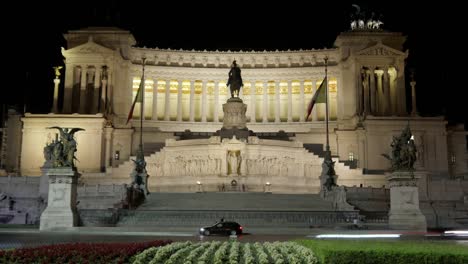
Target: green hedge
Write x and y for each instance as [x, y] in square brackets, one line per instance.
[392, 252]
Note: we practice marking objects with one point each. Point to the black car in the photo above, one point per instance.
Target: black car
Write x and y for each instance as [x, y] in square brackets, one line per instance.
[222, 228]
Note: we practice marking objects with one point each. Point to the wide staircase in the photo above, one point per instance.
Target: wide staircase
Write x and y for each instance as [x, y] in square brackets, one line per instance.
[249, 209]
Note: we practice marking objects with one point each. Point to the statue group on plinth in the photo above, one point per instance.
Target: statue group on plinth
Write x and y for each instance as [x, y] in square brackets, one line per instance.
[61, 152]
[403, 155]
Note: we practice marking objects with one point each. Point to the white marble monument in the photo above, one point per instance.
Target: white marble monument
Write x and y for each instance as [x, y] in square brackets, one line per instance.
[61, 206]
[404, 202]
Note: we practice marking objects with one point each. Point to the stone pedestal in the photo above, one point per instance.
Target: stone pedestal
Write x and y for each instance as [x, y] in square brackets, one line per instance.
[234, 114]
[404, 202]
[234, 121]
[61, 207]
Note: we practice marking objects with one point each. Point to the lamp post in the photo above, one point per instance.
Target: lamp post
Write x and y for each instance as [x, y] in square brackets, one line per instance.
[267, 187]
[199, 186]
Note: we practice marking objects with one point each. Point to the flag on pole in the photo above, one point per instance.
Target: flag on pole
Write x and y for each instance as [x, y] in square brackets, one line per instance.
[319, 97]
[138, 98]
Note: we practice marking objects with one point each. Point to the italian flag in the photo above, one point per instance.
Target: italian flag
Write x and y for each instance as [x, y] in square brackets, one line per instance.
[319, 97]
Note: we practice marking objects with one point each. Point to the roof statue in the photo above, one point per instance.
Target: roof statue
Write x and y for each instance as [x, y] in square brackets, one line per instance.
[360, 23]
[57, 71]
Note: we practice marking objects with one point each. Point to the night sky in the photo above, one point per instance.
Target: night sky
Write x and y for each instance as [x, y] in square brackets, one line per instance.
[236, 25]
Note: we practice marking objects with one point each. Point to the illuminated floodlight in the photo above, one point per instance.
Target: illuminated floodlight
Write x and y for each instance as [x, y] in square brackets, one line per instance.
[457, 232]
[358, 236]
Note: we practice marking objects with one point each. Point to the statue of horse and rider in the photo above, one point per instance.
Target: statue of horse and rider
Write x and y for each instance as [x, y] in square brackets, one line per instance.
[235, 80]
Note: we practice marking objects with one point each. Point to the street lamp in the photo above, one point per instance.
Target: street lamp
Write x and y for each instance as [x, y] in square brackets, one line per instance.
[199, 186]
[267, 187]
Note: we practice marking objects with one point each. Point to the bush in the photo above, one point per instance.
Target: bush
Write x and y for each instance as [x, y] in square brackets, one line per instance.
[78, 253]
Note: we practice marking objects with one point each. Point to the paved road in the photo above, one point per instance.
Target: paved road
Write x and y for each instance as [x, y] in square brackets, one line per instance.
[30, 237]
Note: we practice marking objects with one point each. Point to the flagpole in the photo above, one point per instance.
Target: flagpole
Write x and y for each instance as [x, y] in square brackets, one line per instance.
[327, 147]
[328, 176]
[142, 106]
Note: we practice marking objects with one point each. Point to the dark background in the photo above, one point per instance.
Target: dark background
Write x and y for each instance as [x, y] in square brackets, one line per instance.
[433, 33]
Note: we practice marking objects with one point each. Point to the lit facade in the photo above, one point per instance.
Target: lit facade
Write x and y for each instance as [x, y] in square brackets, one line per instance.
[186, 89]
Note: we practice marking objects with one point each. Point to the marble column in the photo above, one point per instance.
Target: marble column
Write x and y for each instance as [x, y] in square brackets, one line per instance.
[253, 92]
[290, 101]
[204, 101]
[110, 91]
[400, 89]
[56, 86]
[366, 91]
[104, 96]
[192, 101]
[179, 101]
[108, 137]
[97, 83]
[387, 97]
[380, 97]
[265, 102]
[372, 93]
[301, 102]
[167, 99]
[314, 110]
[154, 115]
[83, 84]
[277, 102]
[216, 101]
[68, 91]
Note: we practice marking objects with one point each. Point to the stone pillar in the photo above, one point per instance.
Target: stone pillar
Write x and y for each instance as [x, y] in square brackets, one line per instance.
[104, 95]
[203, 119]
[68, 91]
[84, 73]
[380, 96]
[277, 103]
[366, 91]
[97, 83]
[302, 102]
[179, 101]
[192, 101]
[108, 136]
[290, 101]
[265, 102]
[154, 115]
[167, 106]
[110, 92]
[400, 90]
[359, 91]
[253, 92]
[61, 206]
[372, 92]
[404, 202]
[314, 110]
[56, 86]
[216, 102]
[234, 114]
[387, 97]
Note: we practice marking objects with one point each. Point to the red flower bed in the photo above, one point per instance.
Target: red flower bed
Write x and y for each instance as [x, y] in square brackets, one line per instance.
[78, 253]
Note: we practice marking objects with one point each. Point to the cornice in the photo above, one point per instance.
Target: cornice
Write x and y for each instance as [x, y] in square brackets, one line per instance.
[245, 59]
[221, 74]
